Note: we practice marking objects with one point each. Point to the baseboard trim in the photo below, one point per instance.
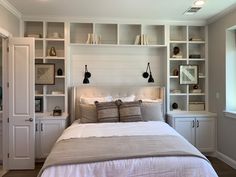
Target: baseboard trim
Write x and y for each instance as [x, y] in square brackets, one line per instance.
[226, 159]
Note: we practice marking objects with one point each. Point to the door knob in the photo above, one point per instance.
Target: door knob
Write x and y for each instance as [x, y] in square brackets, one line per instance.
[29, 120]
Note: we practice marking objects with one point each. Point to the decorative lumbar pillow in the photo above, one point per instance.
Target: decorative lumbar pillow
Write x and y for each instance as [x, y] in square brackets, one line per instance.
[88, 113]
[107, 111]
[152, 111]
[91, 100]
[130, 111]
[126, 99]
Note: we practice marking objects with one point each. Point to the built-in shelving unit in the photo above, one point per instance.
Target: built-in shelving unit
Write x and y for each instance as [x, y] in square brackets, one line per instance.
[191, 40]
[48, 35]
[101, 34]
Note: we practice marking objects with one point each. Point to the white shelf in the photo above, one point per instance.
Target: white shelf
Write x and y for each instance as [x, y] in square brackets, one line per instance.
[174, 77]
[197, 94]
[178, 59]
[54, 39]
[39, 95]
[178, 42]
[60, 77]
[178, 94]
[54, 58]
[117, 45]
[197, 59]
[196, 42]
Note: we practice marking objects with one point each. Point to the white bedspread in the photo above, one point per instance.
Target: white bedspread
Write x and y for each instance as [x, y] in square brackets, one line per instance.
[143, 167]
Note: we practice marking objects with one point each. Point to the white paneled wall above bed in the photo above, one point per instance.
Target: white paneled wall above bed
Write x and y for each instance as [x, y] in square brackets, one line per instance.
[117, 65]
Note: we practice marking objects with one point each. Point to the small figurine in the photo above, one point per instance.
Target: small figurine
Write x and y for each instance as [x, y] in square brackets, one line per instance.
[59, 72]
[52, 52]
[176, 53]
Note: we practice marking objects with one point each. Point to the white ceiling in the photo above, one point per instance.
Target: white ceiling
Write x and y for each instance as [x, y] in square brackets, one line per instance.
[128, 9]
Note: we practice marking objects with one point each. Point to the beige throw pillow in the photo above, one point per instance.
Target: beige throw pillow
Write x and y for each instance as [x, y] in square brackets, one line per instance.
[107, 112]
[88, 113]
[130, 111]
[152, 111]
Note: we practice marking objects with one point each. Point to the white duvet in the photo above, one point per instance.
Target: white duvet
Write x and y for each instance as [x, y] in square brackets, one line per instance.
[140, 167]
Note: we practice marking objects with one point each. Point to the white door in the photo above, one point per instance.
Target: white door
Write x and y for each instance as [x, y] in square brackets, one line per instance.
[50, 130]
[186, 127]
[21, 103]
[205, 134]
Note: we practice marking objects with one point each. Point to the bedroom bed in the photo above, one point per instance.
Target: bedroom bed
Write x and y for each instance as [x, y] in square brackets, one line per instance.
[99, 148]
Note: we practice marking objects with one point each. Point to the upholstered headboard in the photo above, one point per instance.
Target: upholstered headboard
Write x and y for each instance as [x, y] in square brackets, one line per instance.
[140, 92]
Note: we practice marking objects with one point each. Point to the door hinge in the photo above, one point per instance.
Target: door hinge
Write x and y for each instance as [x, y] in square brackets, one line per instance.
[8, 155]
[7, 49]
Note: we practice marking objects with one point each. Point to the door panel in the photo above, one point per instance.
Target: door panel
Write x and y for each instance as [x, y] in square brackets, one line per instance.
[186, 127]
[21, 103]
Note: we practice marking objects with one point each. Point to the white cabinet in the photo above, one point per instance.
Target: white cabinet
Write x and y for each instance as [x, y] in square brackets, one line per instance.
[198, 129]
[48, 129]
[1, 149]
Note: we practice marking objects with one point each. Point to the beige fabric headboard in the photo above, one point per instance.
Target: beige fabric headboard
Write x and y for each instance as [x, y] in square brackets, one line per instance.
[140, 92]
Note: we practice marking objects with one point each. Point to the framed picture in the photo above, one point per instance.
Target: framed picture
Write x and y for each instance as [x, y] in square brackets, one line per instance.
[44, 74]
[38, 104]
[188, 74]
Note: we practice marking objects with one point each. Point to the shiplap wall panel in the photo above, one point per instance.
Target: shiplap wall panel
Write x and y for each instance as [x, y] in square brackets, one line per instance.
[117, 66]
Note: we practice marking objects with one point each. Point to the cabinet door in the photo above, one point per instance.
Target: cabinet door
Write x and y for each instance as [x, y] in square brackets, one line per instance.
[205, 134]
[37, 139]
[186, 127]
[50, 130]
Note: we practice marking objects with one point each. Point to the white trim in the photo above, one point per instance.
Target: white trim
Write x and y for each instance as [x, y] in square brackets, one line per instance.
[231, 114]
[226, 159]
[11, 8]
[221, 14]
[4, 33]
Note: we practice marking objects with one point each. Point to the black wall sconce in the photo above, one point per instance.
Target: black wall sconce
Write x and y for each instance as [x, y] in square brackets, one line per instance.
[146, 74]
[87, 75]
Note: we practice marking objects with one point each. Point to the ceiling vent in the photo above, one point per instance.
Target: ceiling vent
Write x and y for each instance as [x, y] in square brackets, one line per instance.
[192, 10]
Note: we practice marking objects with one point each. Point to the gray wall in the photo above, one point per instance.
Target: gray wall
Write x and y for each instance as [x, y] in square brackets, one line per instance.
[217, 43]
[9, 22]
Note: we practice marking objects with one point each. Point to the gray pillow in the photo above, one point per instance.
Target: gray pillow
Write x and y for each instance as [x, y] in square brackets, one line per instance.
[107, 112]
[130, 111]
[152, 111]
[88, 113]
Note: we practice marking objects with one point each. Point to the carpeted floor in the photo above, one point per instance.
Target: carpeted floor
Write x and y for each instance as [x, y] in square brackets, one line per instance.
[222, 169]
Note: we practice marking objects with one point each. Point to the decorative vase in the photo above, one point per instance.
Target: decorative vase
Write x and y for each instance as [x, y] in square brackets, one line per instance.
[52, 52]
[59, 72]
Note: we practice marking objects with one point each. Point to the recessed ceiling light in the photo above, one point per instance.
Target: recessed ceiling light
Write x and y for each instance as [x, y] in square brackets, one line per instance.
[199, 3]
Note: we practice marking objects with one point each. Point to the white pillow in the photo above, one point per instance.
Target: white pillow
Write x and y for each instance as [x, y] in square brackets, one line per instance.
[85, 100]
[125, 99]
[152, 101]
[152, 111]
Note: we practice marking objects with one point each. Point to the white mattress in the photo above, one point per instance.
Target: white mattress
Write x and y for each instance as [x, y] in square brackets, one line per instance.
[140, 167]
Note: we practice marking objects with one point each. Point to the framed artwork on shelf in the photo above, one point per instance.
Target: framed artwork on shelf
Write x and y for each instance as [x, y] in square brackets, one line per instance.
[38, 104]
[44, 74]
[188, 74]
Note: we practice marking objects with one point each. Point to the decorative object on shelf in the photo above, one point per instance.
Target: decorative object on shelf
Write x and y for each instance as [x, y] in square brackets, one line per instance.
[144, 39]
[44, 74]
[38, 104]
[175, 91]
[52, 52]
[188, 74]
[38, 92]
[146, 74]
[57, 111]
[175, 106]
[137, 40]
[194, 56]
[57, 92]
[195, 39]
[176, 72]
[54, 35]
[87, 75]
[196, 89]
[94, 38]
[34, 35]
[196, 106]
[177, 53]
[59, 72]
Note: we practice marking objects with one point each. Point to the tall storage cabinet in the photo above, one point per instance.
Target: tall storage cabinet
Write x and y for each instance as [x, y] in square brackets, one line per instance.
[48, 128]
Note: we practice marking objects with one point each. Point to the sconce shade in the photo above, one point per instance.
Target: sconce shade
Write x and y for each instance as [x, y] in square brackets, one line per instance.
[85, 81]
[145, 75]
[150, 79]
[86, 76]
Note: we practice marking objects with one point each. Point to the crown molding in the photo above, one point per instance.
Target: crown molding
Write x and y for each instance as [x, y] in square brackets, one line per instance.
[11, 8]
[221, 14]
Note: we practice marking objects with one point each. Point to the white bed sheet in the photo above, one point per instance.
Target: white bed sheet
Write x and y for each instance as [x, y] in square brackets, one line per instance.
[139, 167]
